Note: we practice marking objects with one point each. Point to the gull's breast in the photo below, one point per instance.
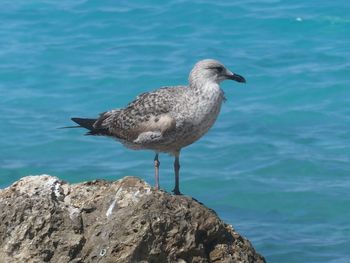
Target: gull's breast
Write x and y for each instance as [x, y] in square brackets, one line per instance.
[201, 113]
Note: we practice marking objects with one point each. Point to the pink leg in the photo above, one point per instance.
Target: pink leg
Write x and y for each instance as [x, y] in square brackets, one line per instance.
[156, 171]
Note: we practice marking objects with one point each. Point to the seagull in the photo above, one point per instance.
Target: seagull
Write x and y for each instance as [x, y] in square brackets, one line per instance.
[169, 118]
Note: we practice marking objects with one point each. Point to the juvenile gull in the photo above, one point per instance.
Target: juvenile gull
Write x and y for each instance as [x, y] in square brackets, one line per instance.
[169, 118]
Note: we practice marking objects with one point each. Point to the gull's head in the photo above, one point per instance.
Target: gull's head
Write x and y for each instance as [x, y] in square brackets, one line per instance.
[210, 70]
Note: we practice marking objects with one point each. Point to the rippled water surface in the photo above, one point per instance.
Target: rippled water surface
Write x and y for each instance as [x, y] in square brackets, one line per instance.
[276, 163]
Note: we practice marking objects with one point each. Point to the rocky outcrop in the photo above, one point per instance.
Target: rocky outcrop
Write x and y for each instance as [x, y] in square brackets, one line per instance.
[44, 219]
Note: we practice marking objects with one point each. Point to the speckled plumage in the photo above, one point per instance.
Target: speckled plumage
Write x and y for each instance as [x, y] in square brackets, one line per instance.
[169, 118]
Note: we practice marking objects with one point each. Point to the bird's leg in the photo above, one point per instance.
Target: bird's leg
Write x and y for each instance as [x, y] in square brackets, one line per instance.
[156, 171]
[177, 170]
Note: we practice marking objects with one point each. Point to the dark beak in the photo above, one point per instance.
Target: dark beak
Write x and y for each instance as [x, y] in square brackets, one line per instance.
[237, 78]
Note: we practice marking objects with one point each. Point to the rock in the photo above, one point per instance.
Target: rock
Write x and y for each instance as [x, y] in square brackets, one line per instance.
[44, 219]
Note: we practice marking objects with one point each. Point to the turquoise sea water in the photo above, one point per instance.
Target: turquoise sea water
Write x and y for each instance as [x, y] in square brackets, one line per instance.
[277, 162]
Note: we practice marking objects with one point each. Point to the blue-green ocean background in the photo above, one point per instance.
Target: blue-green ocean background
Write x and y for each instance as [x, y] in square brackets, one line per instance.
[276, 163]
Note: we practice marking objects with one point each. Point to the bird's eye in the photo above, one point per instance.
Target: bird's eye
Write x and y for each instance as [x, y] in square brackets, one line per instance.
[219, 69]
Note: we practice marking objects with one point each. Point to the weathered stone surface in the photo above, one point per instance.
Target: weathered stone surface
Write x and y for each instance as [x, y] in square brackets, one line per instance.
[43, 219]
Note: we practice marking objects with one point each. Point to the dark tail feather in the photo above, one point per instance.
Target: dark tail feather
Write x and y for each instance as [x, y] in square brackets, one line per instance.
[89, 124]
[85, 123]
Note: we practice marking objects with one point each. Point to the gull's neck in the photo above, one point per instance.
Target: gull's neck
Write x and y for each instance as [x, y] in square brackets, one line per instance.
[204, 85]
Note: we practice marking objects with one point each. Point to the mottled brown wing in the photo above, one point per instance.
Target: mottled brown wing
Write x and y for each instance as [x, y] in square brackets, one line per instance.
[150, 111]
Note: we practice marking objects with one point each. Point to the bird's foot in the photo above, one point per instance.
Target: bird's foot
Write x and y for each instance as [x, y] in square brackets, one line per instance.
[176, 192]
